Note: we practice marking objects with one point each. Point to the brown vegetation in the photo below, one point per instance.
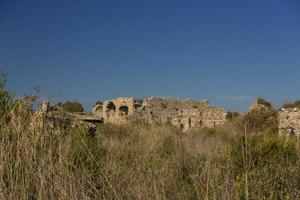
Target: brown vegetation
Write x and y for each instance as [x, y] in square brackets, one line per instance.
[70, 106]
[137, 161]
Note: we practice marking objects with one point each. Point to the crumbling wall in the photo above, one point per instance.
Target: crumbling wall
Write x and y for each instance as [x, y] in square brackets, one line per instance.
[183, 114]
[97, 110]
[48, 117]
[289, 121]
[117, 110]
[213, 116]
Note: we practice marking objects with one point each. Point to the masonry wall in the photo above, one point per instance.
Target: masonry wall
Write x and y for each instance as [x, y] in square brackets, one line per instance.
[183, 114]
[289, 121]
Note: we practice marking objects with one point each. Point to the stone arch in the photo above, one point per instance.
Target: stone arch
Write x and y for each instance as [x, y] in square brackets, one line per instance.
[110, 107]
[123, 110]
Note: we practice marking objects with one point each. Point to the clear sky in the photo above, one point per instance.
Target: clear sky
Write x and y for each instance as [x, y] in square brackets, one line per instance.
[82, 50]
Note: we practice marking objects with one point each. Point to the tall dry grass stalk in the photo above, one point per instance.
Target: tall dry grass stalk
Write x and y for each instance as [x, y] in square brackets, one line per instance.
[137, 161]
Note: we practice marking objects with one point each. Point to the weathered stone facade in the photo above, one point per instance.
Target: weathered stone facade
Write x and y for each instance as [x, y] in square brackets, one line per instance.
[183, 114]
[47, 117]
[289, 121]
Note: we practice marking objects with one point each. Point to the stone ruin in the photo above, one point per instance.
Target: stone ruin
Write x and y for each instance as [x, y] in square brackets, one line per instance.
[289, 121]
[183, 114]
[48, 117]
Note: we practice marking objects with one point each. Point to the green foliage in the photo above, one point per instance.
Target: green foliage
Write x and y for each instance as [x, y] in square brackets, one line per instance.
[264, 102]
[115, 132]
[87, 152]
[258, 121]
[210, 131]
[5, 98]
[99, 103]
[264, 166]
[70, 106]
[232, 115]
[167, 148]
[4, 95]
[295, 104]
[164, 106]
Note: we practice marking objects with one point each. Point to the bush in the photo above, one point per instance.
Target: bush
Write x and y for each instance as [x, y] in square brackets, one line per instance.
[295, 104]
[232, 115]
[5, 97]
[264, 102]
[70, 106]
[264, 167]
[5, 100]
[258, 121]
[99, 103]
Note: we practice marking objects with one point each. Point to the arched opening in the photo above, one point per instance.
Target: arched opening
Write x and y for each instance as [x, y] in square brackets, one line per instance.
[123, 110]
[111, 107]
[181, 126]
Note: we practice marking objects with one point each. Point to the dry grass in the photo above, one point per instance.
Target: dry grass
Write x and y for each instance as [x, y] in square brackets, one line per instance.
[137, 161]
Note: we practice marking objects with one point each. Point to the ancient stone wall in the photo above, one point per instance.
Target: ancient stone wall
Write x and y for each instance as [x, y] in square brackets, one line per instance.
[97, 110]
[183, 114]
[118, 110]
[48, 117]
[289, 121]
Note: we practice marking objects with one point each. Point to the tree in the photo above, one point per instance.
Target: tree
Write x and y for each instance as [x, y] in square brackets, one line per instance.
[5, 97]
[70, 106]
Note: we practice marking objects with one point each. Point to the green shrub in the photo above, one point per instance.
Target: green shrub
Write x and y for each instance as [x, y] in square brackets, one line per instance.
[232, 115]
[70, 106]
[295, 104]
[99, 103]
[264, 167]
[258, 121]
[167, 148]
[210, 131]
[87, 152]
[264, 102]
[5, 99]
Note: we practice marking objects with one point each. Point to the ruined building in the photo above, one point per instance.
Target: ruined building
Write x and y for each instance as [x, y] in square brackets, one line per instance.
[183, 114]
[48, 117]
[289, 121]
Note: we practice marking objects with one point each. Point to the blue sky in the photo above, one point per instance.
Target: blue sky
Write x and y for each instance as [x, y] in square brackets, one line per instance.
[227, 51]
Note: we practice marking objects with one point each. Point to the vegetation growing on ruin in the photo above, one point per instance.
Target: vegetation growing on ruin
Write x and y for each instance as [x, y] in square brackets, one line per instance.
[262, 101]
[258, 121]
[70, 106]
[99, 103]
[295, 104]
[232, 115]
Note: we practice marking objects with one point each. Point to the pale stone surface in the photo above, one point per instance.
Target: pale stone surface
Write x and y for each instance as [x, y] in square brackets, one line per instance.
[289, 121]
[257, 106]
[183, 114]
[40, 117]
[47, 117]
[97, 110]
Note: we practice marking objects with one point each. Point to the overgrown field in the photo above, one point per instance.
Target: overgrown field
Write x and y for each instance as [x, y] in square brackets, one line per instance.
[244, 159]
